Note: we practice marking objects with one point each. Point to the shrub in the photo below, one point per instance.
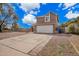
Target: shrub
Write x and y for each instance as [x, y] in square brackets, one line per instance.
[71, 29]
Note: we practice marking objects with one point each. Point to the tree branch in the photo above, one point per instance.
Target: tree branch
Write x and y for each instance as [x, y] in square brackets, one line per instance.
[4, 20]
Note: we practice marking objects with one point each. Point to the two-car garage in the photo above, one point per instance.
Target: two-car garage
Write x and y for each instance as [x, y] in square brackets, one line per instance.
[44, 29]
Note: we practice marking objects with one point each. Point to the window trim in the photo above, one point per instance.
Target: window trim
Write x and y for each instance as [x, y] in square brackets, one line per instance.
[47, 19]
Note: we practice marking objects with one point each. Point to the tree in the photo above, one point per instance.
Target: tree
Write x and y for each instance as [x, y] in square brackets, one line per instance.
[7, 16]
[71, 29]
[78, 18]
[15, 27]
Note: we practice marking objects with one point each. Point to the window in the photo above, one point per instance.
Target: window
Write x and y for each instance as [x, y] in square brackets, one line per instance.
[47, 19]
[76, 25]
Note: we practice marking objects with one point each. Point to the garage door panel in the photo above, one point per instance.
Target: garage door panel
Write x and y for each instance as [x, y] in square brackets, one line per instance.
[45, 29]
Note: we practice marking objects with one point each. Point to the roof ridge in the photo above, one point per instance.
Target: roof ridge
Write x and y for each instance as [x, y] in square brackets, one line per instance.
[48, 13]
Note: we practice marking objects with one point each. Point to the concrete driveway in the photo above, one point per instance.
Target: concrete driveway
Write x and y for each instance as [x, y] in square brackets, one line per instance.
[22, 45]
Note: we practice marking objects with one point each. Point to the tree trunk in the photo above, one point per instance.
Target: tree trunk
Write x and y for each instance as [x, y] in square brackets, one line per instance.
[0, 28]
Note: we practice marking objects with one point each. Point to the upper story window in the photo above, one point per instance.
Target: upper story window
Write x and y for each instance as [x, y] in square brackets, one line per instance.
[47, 19]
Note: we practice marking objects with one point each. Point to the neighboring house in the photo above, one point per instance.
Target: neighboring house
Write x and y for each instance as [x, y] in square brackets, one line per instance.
[46, 24]
[71, 26]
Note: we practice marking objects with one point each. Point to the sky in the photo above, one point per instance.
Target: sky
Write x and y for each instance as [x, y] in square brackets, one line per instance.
[27, 12]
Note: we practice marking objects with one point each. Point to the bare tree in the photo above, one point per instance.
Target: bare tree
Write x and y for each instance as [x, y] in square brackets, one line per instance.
[7, 16]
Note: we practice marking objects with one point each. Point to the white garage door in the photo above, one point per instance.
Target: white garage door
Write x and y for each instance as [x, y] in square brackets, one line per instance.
[45, 29]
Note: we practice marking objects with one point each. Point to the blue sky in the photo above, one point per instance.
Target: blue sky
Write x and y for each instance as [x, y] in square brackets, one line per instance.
[65, 11]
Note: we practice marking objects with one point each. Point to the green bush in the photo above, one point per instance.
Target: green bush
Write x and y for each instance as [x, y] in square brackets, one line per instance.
[71, 29]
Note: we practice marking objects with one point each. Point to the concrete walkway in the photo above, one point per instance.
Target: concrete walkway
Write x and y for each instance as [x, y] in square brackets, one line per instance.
[27, 44]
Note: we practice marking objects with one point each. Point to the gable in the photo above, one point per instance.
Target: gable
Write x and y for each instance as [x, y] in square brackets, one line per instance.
[49, 18]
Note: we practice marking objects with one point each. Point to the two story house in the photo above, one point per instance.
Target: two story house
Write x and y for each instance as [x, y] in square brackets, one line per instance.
[46, 24]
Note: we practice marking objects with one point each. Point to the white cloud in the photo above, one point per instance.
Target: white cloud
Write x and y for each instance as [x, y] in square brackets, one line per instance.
[29, 19]
[67, 5]
[60, 5]
[29, 6]
[71, 15]
[33, 12]
[44, 3]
